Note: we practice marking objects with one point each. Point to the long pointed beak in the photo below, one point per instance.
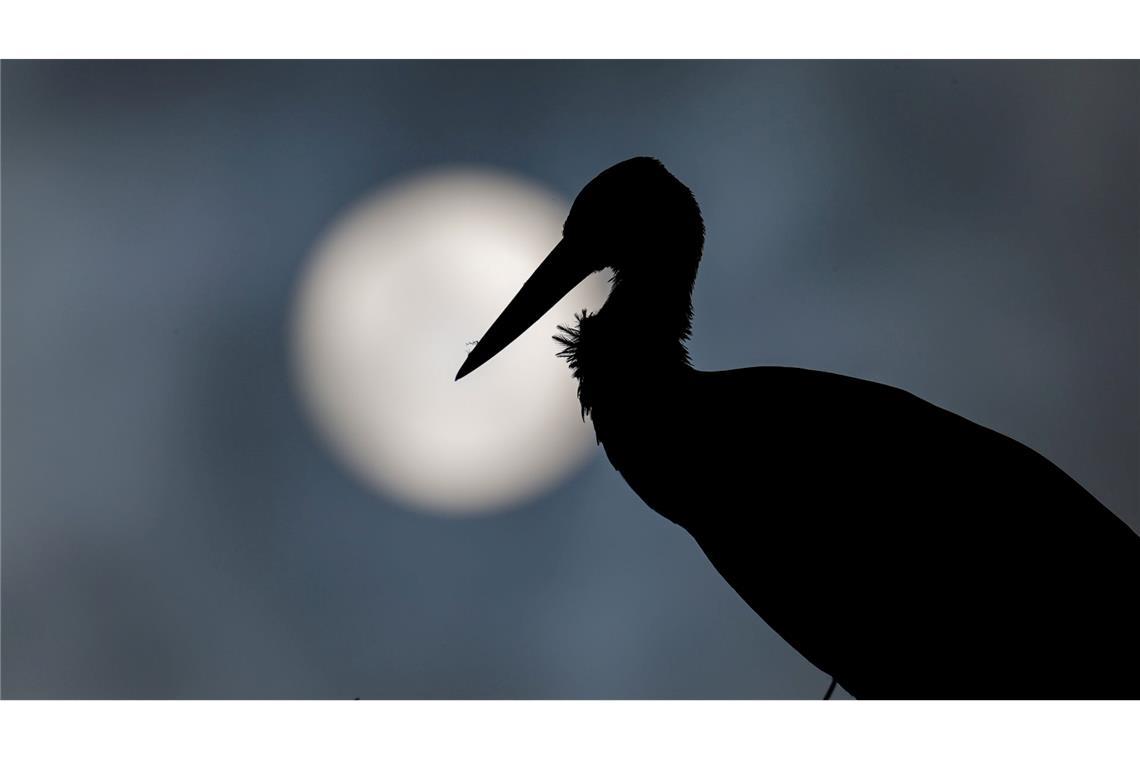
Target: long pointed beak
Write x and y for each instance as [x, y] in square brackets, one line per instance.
[555, 277]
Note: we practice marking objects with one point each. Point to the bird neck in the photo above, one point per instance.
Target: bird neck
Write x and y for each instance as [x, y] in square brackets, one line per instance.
[636, 340]
[649, 312]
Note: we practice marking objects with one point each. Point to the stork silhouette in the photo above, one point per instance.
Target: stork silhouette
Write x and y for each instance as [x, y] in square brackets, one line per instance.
[902, 549]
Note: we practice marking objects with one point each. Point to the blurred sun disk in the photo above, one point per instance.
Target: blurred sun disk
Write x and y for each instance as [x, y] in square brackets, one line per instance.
[388, 303]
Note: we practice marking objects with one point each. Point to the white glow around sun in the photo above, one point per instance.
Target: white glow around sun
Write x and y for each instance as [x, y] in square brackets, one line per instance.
[390, 298]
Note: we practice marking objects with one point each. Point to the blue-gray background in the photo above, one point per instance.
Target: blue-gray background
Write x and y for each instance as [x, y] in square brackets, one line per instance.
[171, 526]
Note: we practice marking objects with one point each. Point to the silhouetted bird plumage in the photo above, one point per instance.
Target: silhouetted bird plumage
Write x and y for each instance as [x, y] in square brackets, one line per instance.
[899, 547]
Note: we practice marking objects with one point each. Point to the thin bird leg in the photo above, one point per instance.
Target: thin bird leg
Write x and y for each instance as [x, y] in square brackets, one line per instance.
[830, 689]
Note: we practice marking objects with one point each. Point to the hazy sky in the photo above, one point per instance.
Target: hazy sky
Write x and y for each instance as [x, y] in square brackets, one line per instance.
[172, 527]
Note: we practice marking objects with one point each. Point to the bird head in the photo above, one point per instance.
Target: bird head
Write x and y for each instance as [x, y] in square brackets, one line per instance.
[634, 218]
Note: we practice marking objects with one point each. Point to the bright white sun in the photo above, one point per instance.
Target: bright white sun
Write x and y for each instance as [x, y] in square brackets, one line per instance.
[389, 300]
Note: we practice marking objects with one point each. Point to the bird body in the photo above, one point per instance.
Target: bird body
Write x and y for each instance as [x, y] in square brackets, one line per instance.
[900, 548]
[909, 555]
